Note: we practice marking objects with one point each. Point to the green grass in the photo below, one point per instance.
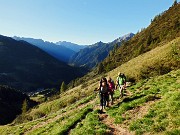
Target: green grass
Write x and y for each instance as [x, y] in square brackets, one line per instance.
[90, 126]
[21, 128]
[164, 115]
[63, 124]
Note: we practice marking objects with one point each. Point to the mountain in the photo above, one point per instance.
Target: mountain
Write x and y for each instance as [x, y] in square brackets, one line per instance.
[26, 67]
[60, 52]
[94, 54]
[11, 102]
[123, 38]
[71, 46]
[163, 28]
[149, 106]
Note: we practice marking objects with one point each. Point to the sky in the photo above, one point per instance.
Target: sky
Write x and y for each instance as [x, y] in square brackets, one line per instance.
[83, 22]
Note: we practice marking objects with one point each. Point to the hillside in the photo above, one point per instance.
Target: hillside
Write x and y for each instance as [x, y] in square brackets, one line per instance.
[59, 52]
[11, 102]
[28, 68]
[151, 62]
[150, 106]
[92, 55]
[163, 28]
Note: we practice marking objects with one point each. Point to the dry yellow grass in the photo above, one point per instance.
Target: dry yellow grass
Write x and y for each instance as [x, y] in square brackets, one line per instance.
[159, 55]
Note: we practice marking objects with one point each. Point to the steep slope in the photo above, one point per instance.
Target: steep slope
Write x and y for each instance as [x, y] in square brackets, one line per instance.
[71, 46]
[163, 28]
[27, 67]
[94, 54]
[147, 107]
[61, 53]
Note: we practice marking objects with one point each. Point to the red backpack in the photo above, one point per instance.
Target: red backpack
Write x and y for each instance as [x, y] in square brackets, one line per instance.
[111, 85]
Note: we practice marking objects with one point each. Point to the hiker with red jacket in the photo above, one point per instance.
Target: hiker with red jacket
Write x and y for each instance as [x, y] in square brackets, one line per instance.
[111, 88]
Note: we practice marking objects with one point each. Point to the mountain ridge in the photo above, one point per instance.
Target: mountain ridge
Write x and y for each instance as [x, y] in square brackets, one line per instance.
[149, 106]
[72, 46]
[94, 54]
[61, 53]
[163, 28]
[24, 66]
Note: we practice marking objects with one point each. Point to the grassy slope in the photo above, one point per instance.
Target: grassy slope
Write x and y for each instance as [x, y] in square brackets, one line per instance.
[60, 115]
[163, 28]
[153, 107]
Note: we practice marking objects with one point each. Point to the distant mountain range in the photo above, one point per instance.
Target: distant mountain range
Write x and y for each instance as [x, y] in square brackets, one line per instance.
[26, 67]
[61, 50]
[93, 54]
[123, 38]
[72, 46]
[74, 54]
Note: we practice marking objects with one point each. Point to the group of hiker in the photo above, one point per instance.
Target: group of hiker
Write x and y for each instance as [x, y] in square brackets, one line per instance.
[106, 89]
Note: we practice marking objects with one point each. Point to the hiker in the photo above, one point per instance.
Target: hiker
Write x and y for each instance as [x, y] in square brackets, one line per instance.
[121, 82]
[111, 89]
[103, 93]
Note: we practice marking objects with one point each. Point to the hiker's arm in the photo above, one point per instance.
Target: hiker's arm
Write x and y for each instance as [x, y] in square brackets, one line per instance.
[96, 89]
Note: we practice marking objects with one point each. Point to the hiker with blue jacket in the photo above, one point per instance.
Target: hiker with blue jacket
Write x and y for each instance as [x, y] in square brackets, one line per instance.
[121, 82]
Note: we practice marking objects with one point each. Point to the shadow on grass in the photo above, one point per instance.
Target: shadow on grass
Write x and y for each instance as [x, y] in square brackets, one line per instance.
[127, 99]
[66, 132]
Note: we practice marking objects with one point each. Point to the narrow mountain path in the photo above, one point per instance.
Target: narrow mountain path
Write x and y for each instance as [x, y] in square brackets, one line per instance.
[115, 129]
[135, 113]
[44, 123]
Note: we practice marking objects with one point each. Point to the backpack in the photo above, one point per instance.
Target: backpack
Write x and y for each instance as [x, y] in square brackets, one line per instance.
[121, 80]
[111, 85]
[103, 89]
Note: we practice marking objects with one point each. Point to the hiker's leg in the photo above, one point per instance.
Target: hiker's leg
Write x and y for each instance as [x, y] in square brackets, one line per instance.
[123, 88]
[107, 99]
[101, 101]
[121, 91]
[112, 97]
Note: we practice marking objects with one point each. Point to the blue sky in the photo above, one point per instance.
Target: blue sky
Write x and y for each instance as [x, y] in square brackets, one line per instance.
[79, 21]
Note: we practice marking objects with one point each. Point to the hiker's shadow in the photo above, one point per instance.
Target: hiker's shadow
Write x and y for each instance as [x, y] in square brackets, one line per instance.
[125, 100]
[101, 112]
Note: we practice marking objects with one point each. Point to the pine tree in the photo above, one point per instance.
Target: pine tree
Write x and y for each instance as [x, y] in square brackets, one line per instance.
[175, 2]
[63, 87]
[100, 68]
[24, 106]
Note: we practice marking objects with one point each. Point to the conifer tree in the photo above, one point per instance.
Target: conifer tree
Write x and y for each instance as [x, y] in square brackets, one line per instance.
[175, 2]
[100, 68]
[24, 106]
[63, 87]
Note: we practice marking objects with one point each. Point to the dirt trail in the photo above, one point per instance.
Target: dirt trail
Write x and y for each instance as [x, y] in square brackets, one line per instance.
[41, 124]
[121, 129]
[115, 129]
